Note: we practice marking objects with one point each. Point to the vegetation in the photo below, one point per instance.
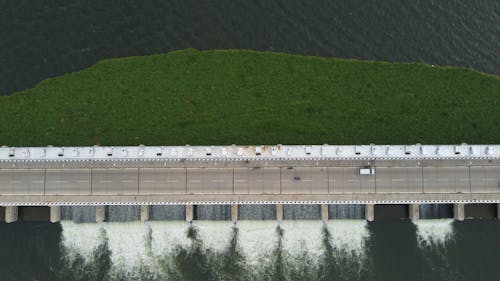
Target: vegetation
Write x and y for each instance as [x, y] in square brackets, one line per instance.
[248, 97]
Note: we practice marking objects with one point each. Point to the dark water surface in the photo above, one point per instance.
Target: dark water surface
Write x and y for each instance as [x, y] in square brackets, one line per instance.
[391, 250]
[41, 39]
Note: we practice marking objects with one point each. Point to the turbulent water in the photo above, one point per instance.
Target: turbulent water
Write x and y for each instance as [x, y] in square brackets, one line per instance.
[215, 250]
[41, 39]
[392, 250]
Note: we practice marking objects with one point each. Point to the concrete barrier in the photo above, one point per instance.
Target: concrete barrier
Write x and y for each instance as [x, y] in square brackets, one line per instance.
[55, 214]
[324, 212]
[100, 213]
[189, 213]
[234, 212]
[144, 213]
[370, 212]
[279, 212]
[459, 212]
[11, 214]
[414, 212]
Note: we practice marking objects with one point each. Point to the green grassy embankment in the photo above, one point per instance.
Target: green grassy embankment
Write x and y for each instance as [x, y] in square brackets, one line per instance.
[247, 97]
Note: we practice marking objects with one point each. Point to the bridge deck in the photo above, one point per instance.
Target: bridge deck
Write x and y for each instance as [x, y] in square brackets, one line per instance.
[255, 184]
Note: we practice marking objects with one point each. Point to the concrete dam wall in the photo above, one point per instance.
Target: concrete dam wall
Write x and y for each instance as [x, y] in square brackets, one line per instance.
[323, 177]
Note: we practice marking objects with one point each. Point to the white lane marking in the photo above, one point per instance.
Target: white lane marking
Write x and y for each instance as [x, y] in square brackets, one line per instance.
[148, 181]
[240, 180]
[464, 179]
[352, 180]
[442, 180]
[172, 180]
[83, 181]
[36, 181]
[307, 180]
[105, 181]
[61, 181]
[15, 181]
[489, 179]
[127, 181]
[195, 181]
[397, 179]
[217, 180]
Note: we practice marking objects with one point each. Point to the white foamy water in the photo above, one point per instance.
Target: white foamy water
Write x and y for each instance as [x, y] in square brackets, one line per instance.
[128, 245]
[349, 235]
[81, 238]
[303, 236]
[216, 235]
[133, 252]
[257, 240]
[167, 235]
[434, 232]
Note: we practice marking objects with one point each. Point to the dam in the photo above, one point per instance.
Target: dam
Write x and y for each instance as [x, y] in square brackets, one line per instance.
[324, 177]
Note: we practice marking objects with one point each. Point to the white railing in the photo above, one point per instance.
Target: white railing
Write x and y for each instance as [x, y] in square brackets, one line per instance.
[253, 152]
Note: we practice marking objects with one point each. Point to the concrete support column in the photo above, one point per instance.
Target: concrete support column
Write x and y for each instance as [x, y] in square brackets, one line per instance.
[189, 213]
[279, 212]
[324, 212]
[55, 214]
[459, 212]
[11, 214]
[100, 213]
[414, 210]
[144, 213]
[498, 211]
[234, 212]
[369, 212]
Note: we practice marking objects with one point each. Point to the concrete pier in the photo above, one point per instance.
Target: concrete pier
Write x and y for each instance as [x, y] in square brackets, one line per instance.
[324, 212]
[144, 213]
[11, 213]
[55, 214]
[189, 213]
[498, 211]
[100, 213]
[459, 212]
[279, 212]
[370, 212]
[234, 212]
[414, 212]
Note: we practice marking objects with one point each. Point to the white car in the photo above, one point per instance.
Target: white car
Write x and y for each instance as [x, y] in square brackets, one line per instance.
[367, 171]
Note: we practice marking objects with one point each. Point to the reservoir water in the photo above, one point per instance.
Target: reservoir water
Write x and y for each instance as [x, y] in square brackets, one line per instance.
[44, 39]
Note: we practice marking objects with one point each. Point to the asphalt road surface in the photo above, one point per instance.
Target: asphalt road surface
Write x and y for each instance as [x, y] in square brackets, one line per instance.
[253, 180]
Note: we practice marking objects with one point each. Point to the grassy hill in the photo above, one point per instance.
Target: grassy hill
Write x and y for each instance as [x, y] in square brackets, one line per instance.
[248, 97]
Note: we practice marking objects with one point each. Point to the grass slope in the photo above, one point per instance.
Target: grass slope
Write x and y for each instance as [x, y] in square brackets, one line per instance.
[247, 97]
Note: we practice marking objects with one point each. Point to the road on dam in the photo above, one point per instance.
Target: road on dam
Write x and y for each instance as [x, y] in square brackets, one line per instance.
[250, 180]
[250, 174]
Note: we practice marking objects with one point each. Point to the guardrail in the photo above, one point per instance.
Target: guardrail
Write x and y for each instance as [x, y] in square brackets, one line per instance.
[250, 152]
